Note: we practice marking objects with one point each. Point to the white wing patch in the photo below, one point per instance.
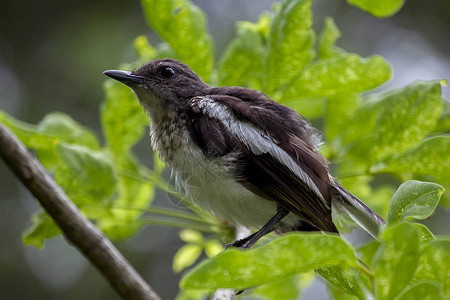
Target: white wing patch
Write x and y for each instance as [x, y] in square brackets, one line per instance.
[256, 141]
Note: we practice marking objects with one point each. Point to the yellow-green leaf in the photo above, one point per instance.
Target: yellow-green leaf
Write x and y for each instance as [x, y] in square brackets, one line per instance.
[379, 8]
[274, 261]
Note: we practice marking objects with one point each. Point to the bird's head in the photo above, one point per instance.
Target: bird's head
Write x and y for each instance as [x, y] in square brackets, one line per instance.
[162, 84]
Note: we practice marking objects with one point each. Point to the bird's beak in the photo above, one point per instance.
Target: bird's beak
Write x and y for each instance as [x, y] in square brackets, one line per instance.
[125, 77]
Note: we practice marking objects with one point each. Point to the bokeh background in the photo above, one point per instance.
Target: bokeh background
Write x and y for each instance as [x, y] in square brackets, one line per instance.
[52, 54]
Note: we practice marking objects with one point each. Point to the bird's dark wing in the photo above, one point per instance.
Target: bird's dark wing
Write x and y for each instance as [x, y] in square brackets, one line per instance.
[208, 133]
[274, 163]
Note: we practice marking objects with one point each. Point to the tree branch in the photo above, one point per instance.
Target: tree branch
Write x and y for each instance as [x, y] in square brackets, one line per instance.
[79, 231]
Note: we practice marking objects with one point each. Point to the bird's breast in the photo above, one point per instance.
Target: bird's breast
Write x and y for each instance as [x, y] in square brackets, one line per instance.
[209, 183]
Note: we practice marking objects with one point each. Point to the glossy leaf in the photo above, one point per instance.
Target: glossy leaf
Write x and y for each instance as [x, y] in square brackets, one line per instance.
[183, 26]
[339, 113]
[273, 261]
[191, 236]
[242, 63]
[407, 117]
[379, 8]
[327, 39]
[310, 108]
[422, 291]
[350, 280]
[56, 127]
[291, 41]
[64, 128]
[286, 289]
[123, 119]
[213, 248]
[367, 112]
[339, 294]
[434, 264]
[425, 234]
[429, 158]
[414, 199]
[132, 195]
[186, 257]
[367, 252]
[86, 176]
[340, 76]
[443, 125]
[396, 260]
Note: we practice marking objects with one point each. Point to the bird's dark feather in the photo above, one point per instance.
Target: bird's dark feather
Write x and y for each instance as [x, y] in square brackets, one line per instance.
[267, 177]
[263, 174]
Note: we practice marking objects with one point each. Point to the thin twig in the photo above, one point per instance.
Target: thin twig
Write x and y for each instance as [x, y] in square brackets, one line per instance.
[79, 231]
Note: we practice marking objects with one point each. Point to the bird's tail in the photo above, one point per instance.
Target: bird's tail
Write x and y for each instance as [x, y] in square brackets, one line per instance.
[344, 202]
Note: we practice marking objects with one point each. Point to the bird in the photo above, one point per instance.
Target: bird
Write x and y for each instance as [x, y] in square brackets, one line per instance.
[240, 155]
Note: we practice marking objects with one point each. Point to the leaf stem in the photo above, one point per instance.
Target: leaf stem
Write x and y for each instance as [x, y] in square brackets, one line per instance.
[171, 213]
[364, 268]
[177, 224]
[165, 186]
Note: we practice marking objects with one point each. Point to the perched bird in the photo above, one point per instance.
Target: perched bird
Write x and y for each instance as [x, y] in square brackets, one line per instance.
[240, 155]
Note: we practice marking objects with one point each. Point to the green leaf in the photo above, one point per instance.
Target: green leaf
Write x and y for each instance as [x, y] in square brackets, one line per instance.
[327, 39]
[56, 127]
[425, 234]
[311, 108]
[339, 294]
[414, 199]
[86, 176]
[274, 261]
[379, 8]
[183, 26]
[123, 119]
[421, 291]
[43, 144]
[350, 280]
[192, 295]
[443, 125]
[368, 110]
[291, 41]
[346, 75]
[339, 113]
[367, 252]
[124, 122]
[191, 236]
[186, 257]
[242, 63]
[408, 115]
[43, 227]
[132, 197]
[213, 248]
[429, 158]
[434, 265]
[396, 260]
[144, 50]
[64, 128]
[286, 289]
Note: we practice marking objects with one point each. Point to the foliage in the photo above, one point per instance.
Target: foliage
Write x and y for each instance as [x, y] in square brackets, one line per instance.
[400, 133]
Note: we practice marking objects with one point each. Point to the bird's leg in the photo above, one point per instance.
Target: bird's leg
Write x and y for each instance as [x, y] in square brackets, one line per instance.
[249, 241]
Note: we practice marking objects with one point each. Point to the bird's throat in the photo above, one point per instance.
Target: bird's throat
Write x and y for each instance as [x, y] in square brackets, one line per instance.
[168, 132]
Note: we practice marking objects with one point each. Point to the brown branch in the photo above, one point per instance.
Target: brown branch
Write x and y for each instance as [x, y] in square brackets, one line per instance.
[79, 231]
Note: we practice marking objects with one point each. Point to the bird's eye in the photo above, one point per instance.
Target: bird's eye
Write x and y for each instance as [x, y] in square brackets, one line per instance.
[167, 72]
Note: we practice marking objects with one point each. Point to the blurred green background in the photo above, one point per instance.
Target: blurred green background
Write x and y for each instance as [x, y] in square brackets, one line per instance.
[52, 54]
